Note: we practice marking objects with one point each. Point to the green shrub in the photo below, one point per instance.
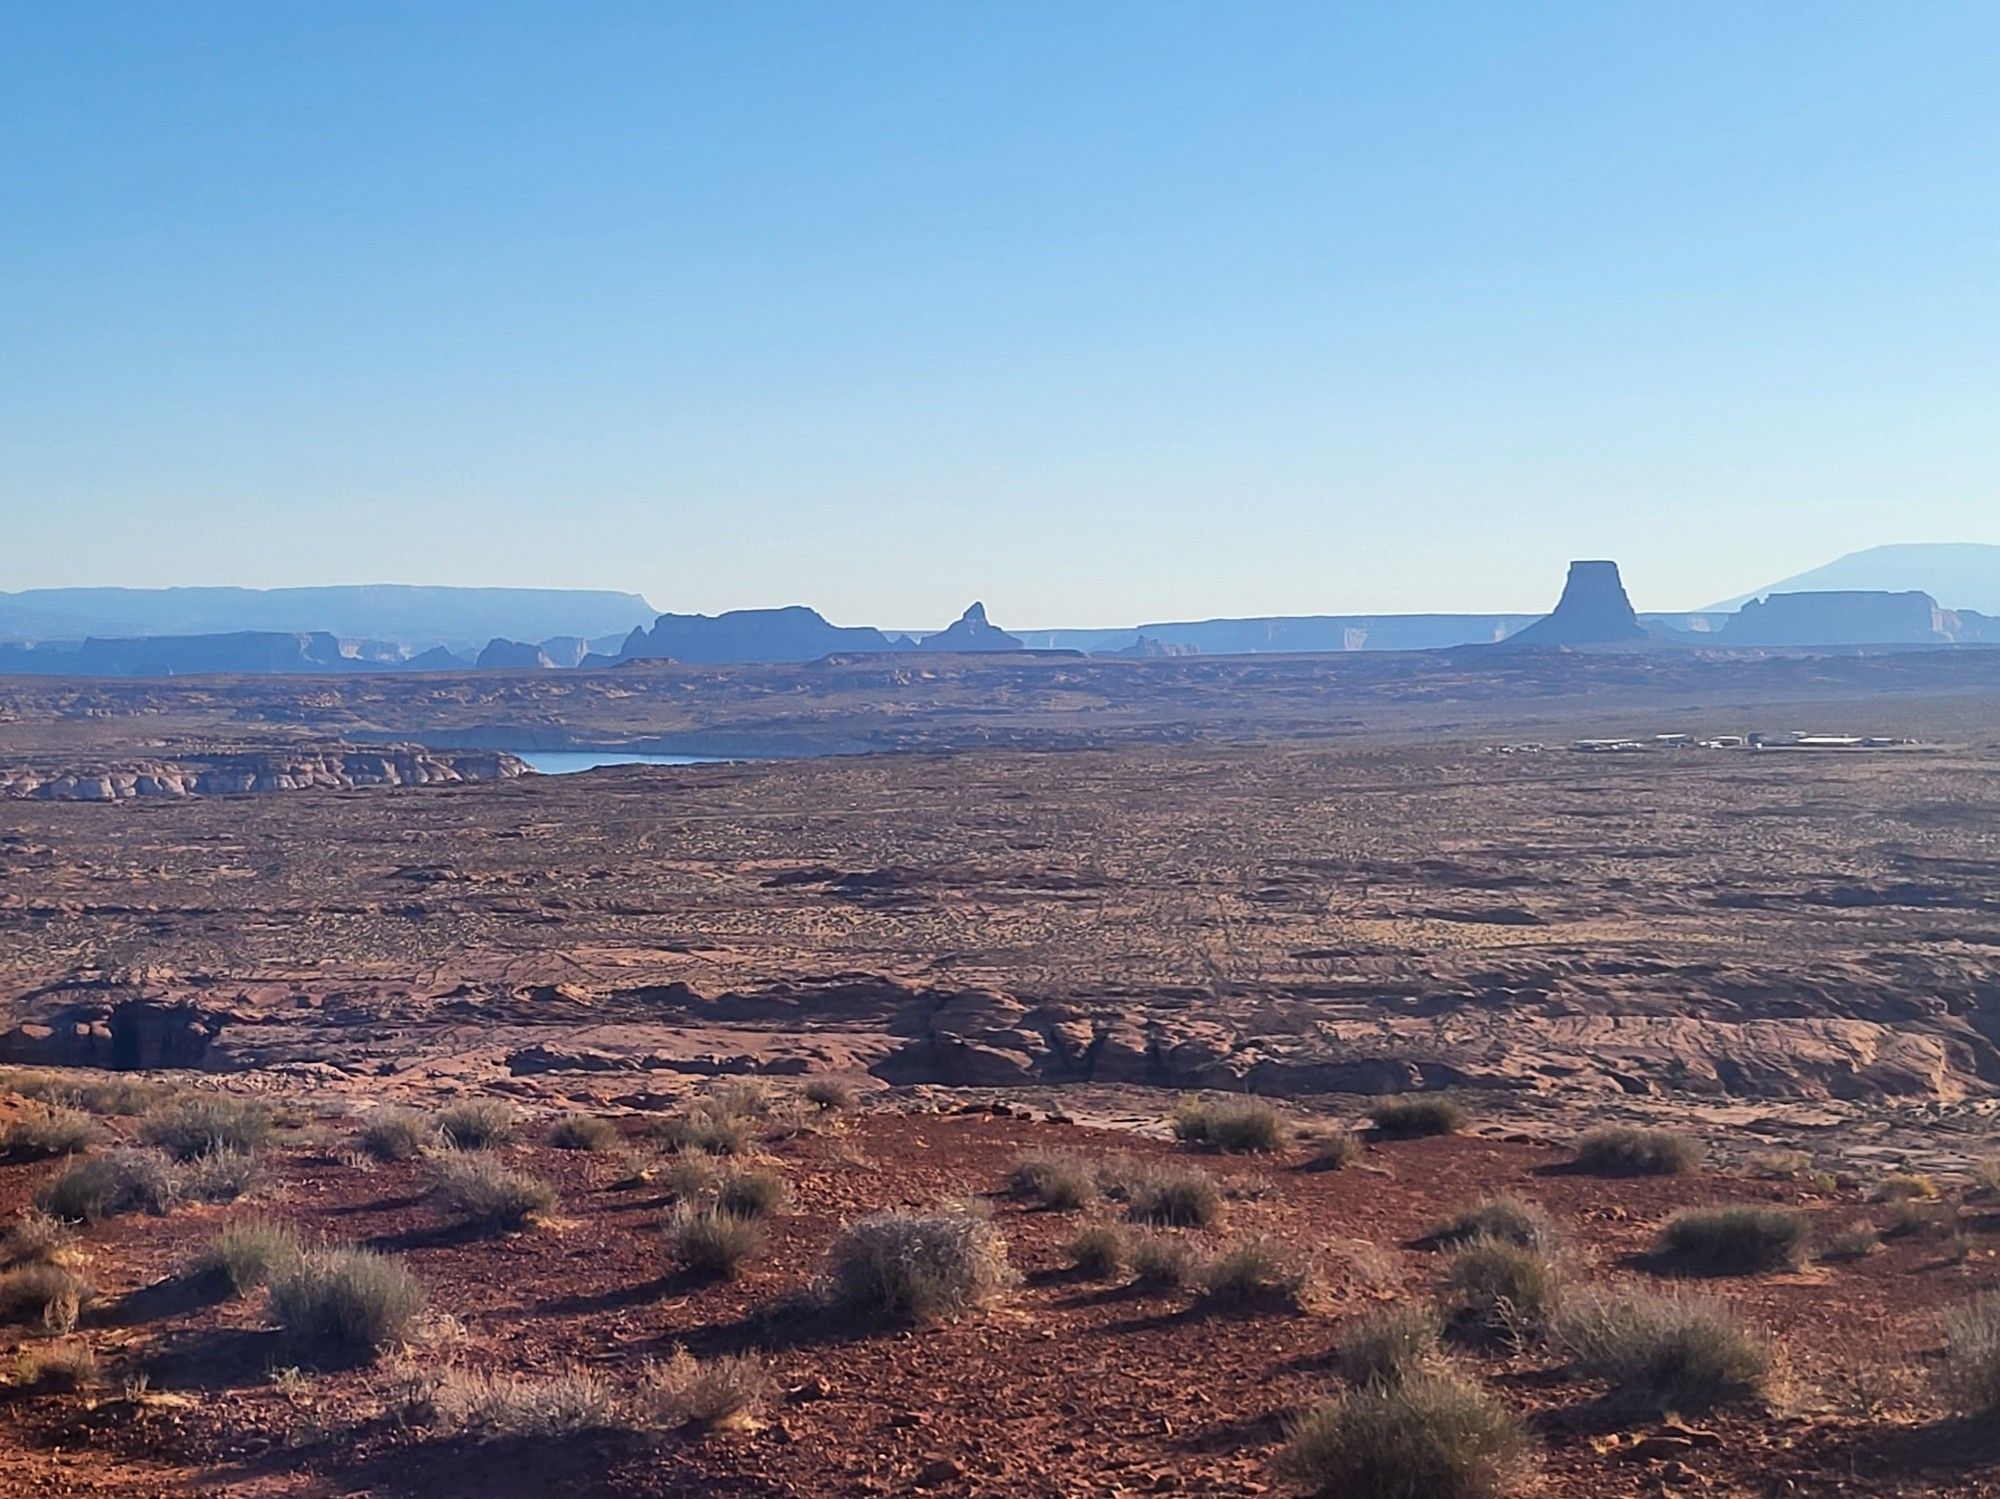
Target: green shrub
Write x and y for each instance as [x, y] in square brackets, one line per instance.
[203, 1124]
[1507, 1219]
[1334, 1150]
[121, 1181]
[1388, 1345]
[1162, 1261]
[478, 1124]
[392, 1134]
[246, 1255]
[1622, 1150]
[1968, 1371]
[1172, 1196]
[1061, 1183]
[479, 1192]
[752, 1194]
[1236, 1127]
[1666, 1353]
[1432, 1436]
[917, 1267]
[48, 1131]
[712, 1240]
[1496, 1288]
[1100, 1251]
[585, 1132]
[1739, 1240]
[351, 1300]
[1409, 1117]
[1256, 1272]
[42, 1295]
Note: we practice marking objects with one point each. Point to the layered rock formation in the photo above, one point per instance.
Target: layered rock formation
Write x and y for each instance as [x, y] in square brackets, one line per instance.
[972, 632]
[513, 655]
[1847, 617]
[1593, 610]
[241, 772]
[794, 633]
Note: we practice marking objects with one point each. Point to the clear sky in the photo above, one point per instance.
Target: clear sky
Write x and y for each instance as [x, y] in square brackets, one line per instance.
[1099, 312]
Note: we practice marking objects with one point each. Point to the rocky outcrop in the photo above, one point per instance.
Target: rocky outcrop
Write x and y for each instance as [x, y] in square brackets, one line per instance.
[122, 1036]
[1847, 617]
[972, 632]
[1593, 610]
[513, 655]
[241, 772]
[794, 633]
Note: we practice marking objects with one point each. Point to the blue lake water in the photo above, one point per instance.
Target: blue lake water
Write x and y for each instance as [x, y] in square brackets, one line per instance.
[569, 762]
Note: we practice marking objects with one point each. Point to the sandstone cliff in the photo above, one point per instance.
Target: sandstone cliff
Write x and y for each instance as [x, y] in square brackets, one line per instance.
[241, 772]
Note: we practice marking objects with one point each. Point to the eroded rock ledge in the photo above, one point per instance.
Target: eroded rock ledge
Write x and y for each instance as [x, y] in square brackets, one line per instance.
[245, 771]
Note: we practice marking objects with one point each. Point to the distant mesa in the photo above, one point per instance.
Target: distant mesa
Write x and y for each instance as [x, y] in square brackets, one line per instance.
[1149, 647]
[512, 655]
[792, 633]
[973, 632]
[1593, 610]
[1854, 617]
[1961, 576]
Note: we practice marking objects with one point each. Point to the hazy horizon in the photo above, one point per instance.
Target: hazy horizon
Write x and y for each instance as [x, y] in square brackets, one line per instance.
[1099, 314]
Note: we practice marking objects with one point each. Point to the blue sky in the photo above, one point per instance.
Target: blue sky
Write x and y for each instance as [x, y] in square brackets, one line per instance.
[1100, 312]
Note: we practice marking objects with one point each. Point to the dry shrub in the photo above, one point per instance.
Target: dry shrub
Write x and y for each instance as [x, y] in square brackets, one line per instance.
[1855, 1242]
[1624, 1150]
[479, 1192]
[1333, 1150]
[393, 1134]
[36, 1238]
[478, 1123]
[94, 1095]
[691, 1177]
[1100, 1251]
[1906, 1186]
[1986, 1176]
[1968, 1369]
[50, 1130]
[1389, 1345]
[897, 1268]
[247, 1255]
[1235, 1127]
[350, 1300]
[1432, 1436]
[713, 1392]
[194, 1126]
[1916, 1217]
[1509, 1220]
[568, 1403]
[219, 1176]
[1162, 1261]
[1740, 1240]
[1778, 1165]
[752, 1194]
[829, 1094]
[1678, 1354]
[1495, 1288]
[740, 1098]
[99, 1187]
[711, 1240]
[1257, 1272]
[47, 1296]
[1171, 1196]
[1406, 1117]
[585, 1132]
[1061, 1183]
[58, 1368]
[706, 1127]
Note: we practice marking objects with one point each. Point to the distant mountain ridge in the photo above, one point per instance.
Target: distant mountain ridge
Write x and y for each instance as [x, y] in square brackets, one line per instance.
[1958, 574]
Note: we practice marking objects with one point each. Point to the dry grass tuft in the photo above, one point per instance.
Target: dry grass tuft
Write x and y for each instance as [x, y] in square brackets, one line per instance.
[393, 1134]
[1235, 1127]
[1257, 1272]
[247, 1255]
[478, 1124]
[350, 1300]
[1968, 1370]
[1333, 1150]
[204, 1124]
[1171, 1196]
[714, 1392]
[36, 1238]
[1162, 1261]
[50, 1297]
[570, 1403]
[829, 1094]
[1665, 1353]
[1389, 1345]
[1099, 1251]
[1061, 1183]
[585, 1132]
[1410, 1117]
[1432, 1436]
[1623, 1150]
[1509, 1220]
[99, 1187]
[1739, 1240]
[917, 1268]
[478, 1192]
[48, 1131]
[712, 1240]
[1495, 1288]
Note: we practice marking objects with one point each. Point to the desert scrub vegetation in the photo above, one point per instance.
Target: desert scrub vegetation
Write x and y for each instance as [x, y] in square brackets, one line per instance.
[724, 1391]
[1509, 1220]
[1332, 1150]
[202, 1124]
[711, 1240]
[99, 1187]
[59, 1368]
[219, 1176]
[36, 1238]
[589, 1133]
[568, 1403]
[1389, 1345]
[1967, 1371]
[1407, 1116]
[350, 1301]
[1237, 1127]
[752, 1193]
[1061, 1183]
[1662, 1353]
[50, 1297]
[829, 1095]
[917, 1268]
[396, 1134]
[478, 1192]
[47, 1131]
[1626, 1150]
[1170, 1196]
[706, 1126]
[478, 1124]
[1856, 1241]
[1430, 1436]
[114, 1095]
[1745, 1239]
[1256, 1273]
[1099, 1251]
[1906, 1186]
[690, 1176]
[1162, 1261]
[1497, 1289]
[243, 1256]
